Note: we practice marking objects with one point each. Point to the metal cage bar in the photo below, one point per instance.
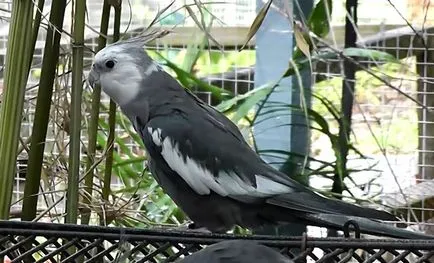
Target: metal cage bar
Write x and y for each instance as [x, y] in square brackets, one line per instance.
[76, 243]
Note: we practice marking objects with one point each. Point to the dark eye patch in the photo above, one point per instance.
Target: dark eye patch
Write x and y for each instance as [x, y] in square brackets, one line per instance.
[110, 63]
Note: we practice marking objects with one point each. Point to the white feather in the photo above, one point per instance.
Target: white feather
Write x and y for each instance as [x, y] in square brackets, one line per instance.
[123, 83]
[268, 187]
[233, 184]
[156, 136]
[192, 174]
[202, 181]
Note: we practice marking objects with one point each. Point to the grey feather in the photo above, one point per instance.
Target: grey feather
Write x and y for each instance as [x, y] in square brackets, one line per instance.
[366, 225]
[144, 38]
[236, 251]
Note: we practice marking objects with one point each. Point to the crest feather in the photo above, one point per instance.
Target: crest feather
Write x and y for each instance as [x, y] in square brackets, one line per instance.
[144, 38]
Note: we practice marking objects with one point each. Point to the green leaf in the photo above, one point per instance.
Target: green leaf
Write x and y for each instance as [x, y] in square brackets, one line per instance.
[130, 161]
[244, 108]
[318, 119]
[329, 106]
[318, 21]
[370, 54]
[318, 24]
[257, 23]
[190, 58]
[189, 81]
[124, 170]
[215, 57]
[258, 93]
[302, 62]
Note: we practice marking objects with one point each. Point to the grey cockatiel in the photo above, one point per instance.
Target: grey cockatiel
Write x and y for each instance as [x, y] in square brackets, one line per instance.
[200, 159]
[236, 251]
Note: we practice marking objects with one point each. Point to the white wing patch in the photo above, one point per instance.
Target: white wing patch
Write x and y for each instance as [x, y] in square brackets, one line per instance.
[202, 181]
[268, 187]
[156, 136]
[197, 177]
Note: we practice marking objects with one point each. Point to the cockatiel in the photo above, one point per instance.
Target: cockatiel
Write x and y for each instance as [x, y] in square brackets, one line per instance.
[201, 160]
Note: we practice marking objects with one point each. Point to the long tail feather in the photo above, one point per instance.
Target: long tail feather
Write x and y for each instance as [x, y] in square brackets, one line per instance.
[367, 226]
[314, 203]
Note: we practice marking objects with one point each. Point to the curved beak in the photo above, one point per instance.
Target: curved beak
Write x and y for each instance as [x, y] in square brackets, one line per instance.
[93, 78]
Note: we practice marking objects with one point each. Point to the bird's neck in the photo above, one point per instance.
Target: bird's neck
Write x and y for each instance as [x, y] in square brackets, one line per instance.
[154, 102]
[161, 95]
[162, 103]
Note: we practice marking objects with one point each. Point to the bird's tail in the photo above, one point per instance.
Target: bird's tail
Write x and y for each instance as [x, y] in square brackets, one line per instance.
[311, 202]
[324, 212]
[366, 226]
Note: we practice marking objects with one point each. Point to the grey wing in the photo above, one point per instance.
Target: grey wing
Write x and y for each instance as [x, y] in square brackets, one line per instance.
[211, 159]
[217, 118]
[208, 157]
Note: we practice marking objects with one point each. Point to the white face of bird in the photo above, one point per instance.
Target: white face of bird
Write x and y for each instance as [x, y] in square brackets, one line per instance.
[120, 70]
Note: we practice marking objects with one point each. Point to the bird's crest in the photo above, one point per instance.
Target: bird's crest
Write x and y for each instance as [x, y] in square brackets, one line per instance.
[144, 38]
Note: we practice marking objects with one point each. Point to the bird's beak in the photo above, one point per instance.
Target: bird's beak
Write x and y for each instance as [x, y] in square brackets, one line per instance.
[93, 78]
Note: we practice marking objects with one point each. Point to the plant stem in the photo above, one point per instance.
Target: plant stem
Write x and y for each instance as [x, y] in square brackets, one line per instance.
[36, 25]
[94, 116]
[16, 73]
[347, 102]
[112, 125]
[72, 193]
[42, 112]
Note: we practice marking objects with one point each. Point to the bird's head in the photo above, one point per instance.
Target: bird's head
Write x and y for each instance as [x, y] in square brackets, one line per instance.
[120, 69]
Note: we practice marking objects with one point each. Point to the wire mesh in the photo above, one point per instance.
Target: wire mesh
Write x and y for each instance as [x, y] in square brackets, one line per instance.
[42, 242]
[388, 127]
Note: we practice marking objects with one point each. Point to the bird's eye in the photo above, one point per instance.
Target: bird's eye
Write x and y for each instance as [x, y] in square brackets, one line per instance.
[110, 63]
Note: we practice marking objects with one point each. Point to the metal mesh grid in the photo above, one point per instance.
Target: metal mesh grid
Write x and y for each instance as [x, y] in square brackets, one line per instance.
[39, 242]
[374, 13]
[402, 148]
[419, 176]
